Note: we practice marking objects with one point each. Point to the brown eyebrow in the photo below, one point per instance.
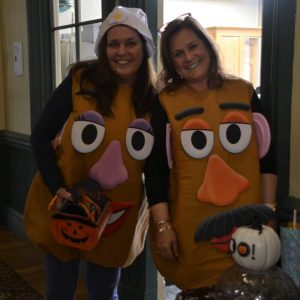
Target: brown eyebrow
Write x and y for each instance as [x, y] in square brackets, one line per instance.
[188, 112]
[236, 105]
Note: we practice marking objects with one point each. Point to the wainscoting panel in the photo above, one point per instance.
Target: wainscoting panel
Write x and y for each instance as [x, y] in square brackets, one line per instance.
[17, 170]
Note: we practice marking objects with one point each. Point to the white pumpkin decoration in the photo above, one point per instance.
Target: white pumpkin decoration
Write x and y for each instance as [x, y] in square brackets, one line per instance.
[255, 248]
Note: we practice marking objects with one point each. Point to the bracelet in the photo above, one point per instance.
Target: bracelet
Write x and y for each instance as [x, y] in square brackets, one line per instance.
[161, 222]
[167, 227]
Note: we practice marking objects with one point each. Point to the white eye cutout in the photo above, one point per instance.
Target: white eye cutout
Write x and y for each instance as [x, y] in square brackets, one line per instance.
[87, 132]
[139, 139]
[235, 137]
[197, 143]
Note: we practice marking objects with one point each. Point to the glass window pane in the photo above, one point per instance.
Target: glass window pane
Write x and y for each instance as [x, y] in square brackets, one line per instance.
[90, 10]
[63, 12]
[88, 37]
[65, 52]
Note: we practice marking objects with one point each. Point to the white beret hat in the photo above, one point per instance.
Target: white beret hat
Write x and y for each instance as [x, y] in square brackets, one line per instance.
[132, 17]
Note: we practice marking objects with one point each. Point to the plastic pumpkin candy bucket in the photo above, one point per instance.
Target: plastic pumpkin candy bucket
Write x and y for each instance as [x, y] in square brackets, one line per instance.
[79, 224]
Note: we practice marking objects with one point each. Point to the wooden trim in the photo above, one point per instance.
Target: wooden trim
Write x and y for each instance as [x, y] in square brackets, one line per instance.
[40, 55]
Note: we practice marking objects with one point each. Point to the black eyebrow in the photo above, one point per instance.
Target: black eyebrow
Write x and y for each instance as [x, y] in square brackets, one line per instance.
[236, 105]
[187, 112]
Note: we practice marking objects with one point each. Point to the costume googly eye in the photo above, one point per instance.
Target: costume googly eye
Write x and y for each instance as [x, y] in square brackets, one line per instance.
[197, 139]
[87, 132]
[235, 137]
[235, 132]
[139, 139]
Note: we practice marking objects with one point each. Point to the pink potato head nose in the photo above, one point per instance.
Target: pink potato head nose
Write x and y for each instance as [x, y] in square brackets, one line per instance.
[109, 171]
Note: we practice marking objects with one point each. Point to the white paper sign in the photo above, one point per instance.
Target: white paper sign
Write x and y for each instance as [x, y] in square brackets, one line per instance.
[18, 58]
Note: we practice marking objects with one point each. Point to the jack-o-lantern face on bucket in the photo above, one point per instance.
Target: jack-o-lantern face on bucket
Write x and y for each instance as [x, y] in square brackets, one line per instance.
[75, 231]
[80, 224]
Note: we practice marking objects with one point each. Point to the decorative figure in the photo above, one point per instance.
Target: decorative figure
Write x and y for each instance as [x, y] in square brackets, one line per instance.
[256, 249]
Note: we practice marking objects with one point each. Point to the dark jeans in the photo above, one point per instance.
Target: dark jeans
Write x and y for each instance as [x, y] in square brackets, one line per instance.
[62, 277]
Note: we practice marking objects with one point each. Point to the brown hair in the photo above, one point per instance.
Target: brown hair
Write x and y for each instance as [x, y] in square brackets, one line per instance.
[99, 84]
[168, 77]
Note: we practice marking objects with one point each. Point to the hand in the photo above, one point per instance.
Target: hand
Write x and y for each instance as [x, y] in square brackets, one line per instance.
[62, 195]
[166, 243]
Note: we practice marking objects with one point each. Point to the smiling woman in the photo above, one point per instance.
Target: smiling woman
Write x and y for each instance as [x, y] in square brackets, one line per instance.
[188, 54]
[124, 53]
[91, 144]
[236, 28]
[216, 146]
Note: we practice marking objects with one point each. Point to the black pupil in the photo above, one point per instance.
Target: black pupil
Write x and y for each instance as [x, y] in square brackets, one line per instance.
[138, 140]
[89, 134]
[198, 139]
[233, 133]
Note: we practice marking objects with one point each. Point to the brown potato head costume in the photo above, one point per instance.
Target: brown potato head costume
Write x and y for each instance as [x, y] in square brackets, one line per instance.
[91, 147]
[101, 153]
[214, 142]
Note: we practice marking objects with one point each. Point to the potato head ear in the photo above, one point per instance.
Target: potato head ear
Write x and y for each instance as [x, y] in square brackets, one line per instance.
[262, 132]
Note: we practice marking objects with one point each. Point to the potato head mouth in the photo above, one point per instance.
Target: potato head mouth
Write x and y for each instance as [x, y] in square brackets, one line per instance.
[118, 217]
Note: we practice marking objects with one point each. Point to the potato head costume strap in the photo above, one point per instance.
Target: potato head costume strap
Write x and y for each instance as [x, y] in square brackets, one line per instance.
[214, 144]
[111, 152]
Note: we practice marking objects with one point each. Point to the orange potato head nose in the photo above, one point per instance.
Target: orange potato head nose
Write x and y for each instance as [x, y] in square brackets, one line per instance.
[221, 185]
